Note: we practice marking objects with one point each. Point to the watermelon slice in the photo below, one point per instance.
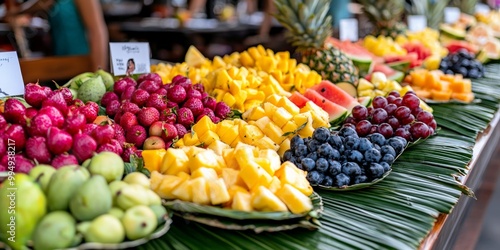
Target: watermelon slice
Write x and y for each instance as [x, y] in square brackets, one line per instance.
[455, 46]
[388, 71]
[360, 57]
[335, 94]
[335, 112]
[298, 99]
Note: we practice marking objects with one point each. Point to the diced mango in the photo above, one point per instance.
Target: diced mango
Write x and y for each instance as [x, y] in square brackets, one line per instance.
[203, 125]
[175, 161]
[153, 158]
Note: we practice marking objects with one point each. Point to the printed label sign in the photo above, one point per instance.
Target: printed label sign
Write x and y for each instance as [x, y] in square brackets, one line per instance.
[417, 23]
[11, 82]
[348, 29]
[129, 58]
[482, 8]
[451, 14]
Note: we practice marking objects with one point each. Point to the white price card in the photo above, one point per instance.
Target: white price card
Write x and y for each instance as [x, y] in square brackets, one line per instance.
[417, 23]
[451, 14]
[482, 8]
[348, 29]
[11, 82]
[129, 58]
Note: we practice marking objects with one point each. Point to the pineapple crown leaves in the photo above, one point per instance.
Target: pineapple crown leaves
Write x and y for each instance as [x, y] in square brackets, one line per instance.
[308, 22]
[380, 11]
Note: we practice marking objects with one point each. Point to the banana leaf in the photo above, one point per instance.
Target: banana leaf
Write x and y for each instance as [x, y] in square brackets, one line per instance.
[397, 213]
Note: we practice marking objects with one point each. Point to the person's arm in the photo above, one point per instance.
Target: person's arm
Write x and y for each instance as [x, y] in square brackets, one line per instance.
[267, 21]
[93, 20]
[32, 6]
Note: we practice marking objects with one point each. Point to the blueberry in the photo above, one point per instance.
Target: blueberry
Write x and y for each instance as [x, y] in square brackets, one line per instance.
[294, 160]
[313, 156]
[364, 144]
[355, 156]
[465, 63]
[372, 155]
[313, 145]
[334, 167]
[377, 138]
[327, 181]
[376, 170]
[396, 144]
[376, 146]
[346, 131]
[335, 141]
[386, 166]
[474, 73]
[335, 154]
[287, 155]
[314, 177]
[299, 166]
[301, 150]
[455, 58]
[388, 158]
[342, 180]
[386, 149]
[360, 179]
[296, 141]
[322, 165]
[449, 72]
[325, 150]
[321, 134]
[351, 143]
[306, 140]
[403, 140]
[308, 164]
[351, 168]
[463, 71]
[443, 64]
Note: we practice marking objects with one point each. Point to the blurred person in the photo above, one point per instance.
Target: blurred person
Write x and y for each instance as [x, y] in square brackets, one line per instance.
[77, 27]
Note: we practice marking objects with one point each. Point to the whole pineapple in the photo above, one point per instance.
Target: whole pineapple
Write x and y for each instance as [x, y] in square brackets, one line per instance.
[309, 25]
[386, 16]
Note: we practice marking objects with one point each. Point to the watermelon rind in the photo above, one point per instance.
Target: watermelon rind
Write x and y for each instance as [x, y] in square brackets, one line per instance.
[338, 119]
[348, 87]
[365, 100]
[398, 76]
[403, 66]
[364, 64]
[451, 32]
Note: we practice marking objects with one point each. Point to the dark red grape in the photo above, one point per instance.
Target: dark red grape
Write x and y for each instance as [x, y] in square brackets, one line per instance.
[403, 133]
[432, 124]
[408, 120]
[411, 101]
[379, 116]
[394, 122]
[419, 130]
[386, 130]
[411, 92]
[379, 102]
[395, 94]
[374, 129]
[431, 131]
[390, 108]
[425, 117]
[360, 112]
[398, 101]
[370, 110]
[416, 111]
[391, 98]
[363, 127]
[351, 120]
[402, 112]
[349, 125]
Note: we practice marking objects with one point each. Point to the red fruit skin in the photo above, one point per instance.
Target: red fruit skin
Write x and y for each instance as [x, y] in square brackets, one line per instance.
[78, 103]
[156, 129]
[169, 144]
[118, 129]
[185, 117]
[113, 108]
[222, 110]
[130, 81]
[162, 92]
[127, 120]
[54, 114]
[57, 100]
[3, 168]
[169, 132]
[208, 112]
[89, 113]
[3, 122]
[121, 139]
[22, 164]
[3, 149]
[172, 105]
[64, 160]
[39, 125]
[127, 152]
[37, 149]
[177, 79]
[127, 94]
[93, 105]
[103, 134]
[139, 97]
[185, 83]
[195, 105]
[199, 87]
[156, 101]
[58, 141]
[147, 116]
[75, 123]
[83, 146]
[181, 130]
[204, 94]
[107, 147]
[136, 135]
[216, 119]
[89, 127]
[30, 113]
[34, 95]
[68, 96]
[47, 90]
[120, 86]
[150, 76]
[14, 111]
[209, 102]
[128, 106]
[176, 94]
[193, 93]
[154, 142]
[118, 146]
[16, 135]
[168, 116]
[150, 86]
[108, 97]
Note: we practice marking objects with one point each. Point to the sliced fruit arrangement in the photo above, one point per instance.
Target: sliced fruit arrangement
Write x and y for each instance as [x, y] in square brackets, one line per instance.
[462, 62]
[437, 86]
[428, 37]
[389, 71]
[393, 116]
[363, 59]
[342, 159]
[243, 178]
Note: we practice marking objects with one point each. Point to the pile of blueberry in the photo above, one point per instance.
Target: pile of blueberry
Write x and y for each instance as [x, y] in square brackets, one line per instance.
[339, 159]
[462, 62]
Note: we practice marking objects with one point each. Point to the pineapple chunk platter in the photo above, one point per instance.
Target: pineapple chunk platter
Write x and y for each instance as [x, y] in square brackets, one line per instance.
[341, 145]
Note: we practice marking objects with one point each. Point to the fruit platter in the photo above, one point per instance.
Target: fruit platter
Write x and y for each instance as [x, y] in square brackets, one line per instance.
[342, 145]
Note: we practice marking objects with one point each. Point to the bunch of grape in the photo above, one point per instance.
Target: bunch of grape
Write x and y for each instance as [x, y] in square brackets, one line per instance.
[393, 116]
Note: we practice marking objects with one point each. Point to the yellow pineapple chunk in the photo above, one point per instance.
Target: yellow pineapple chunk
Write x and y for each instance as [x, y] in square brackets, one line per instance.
[265, 164]
[228, 132]
[167, 185]
[264, 200]
[206, 173]
[223, 80]
[252, 173]
[266, 143]
[275, 185]
[254, 94]
[191, 139]
[200, 191]
[246, 60]
[204, 125]
[289, 126]
[274, 99]
[206, 158]
[229, 159]
[175, 161]
[296, 201]
[284, 146]
[274, 132]
[308, 129]
[191, 151]
[229, 99]
[232, 177]
[232, 191]
[281, 117]
[269, 108]
[243, 155]
[153, 159]
[289, 173]
[250, 133]
[218, 146]
[208, 138]
[218, 191]
[183, 191]
[273, 157]
[183, 175]
[218, 62]
[289, 106]
[262, 122]
[242, 202]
